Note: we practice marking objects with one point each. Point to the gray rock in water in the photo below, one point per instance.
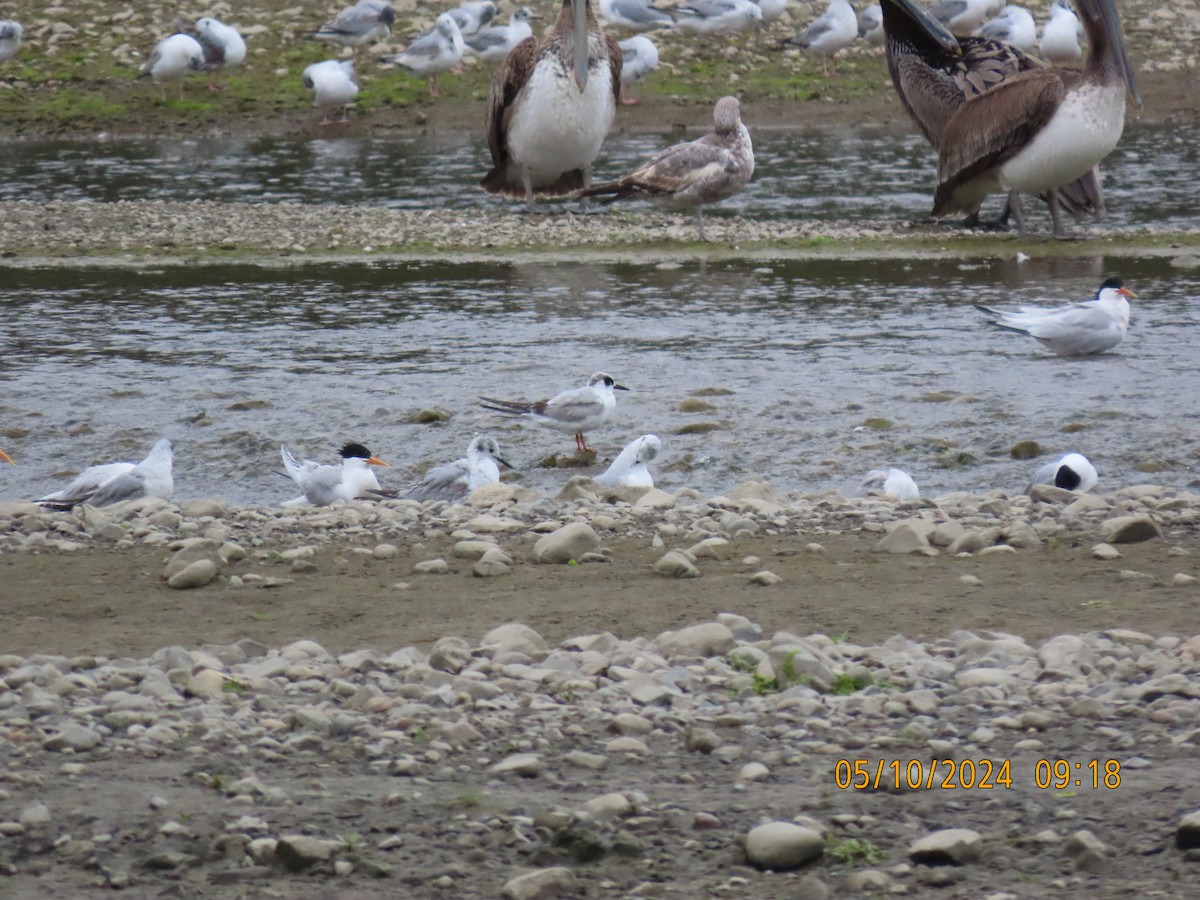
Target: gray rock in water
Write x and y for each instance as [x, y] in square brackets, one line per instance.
[565, 544]
[541, 884]
[1130, 529]
[782, 846]
[948, 847]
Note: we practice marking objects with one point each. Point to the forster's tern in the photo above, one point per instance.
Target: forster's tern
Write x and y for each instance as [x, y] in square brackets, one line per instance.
[890, 481]
[223, 45]
[1078, 329]
[692, 175]
[832, 31]
[10, 39]
[639, 57]
[629, 468]
[494, 43]
[172, 59]
[870, 25]
[1073, 472]
[716, 16]
[359, 24]
[333, 84]
[963, 16]
[1061, 34]
[457, 480]
[113, 482]
[323, 485]
[576, 410]
[634, 15]
[439, 51]
[1014, 26]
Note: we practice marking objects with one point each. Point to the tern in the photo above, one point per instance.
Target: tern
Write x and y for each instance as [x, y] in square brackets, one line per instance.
[113, 482]
[439, 51]
[10, 39]
[223, 45]
[356, 25]
[639, 57]
[1039, 131]
[1078, 329]
[634, 15]
[694, 174]
[890, 481]
[459, 479]
[172, 59]
[1014, 26]
[323, 485]
[830, 32]
[493, 44]
[574, 411]
[629, 468]
[550, 106]
[1061, 34]
[1074, 472]
[333, 84]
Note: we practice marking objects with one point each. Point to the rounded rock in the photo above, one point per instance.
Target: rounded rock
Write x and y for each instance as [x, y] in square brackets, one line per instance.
[781, 846]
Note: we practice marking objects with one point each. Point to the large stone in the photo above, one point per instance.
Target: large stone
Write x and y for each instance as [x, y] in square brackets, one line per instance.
[194, 575]
[207, 683]
[75, 737]
[1064, 656]
[947, 847]
[1130, 529]
[527, 765]
[782, 846]
[297, 852]
[800, 664]
[565, 544]
[193, 550]
[909, 536]
[450, 654]
[1187, 833]
[705, 639]
[514, 636]
[674, 564]
[542, 884]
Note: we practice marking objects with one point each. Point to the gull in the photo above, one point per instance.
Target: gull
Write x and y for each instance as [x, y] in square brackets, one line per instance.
[323, 485]
[333, 84]
[635, 15]
[694, 174]
[223, 45]
[575, 410]
[833, 30]
[1078, 329]
[963, 16]
[1074, 472]
[629, 468]
[10, 39]
[639, 57]
[870, 25]
[494, 44]
[359, 24]
[470, 17]
[716, 16]
[172, 59]
[772, 10]
[890, 481]
[1061, 34]
[1014, 26]
[439, 51]
[113, 482]
[459, 479]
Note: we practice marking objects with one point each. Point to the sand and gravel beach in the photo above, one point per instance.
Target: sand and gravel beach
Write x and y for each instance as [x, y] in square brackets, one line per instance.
[757, 694]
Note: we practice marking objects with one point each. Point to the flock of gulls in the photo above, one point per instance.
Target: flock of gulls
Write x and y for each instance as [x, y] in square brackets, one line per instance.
[1000, 119]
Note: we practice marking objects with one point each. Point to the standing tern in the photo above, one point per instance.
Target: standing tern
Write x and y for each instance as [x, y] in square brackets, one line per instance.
[639, 57]
[113, 482]
[10, 39]
[1077, 329]
[574, 411]
[832, 31]
[890, 481]
[172, 59]
[694, 174]
[333, 84]
[1014, 26]
[439, 51]
[629, 468]
[323, 485]
[493, 44]
[1074, 472]
[1061, 34]
[459, 479]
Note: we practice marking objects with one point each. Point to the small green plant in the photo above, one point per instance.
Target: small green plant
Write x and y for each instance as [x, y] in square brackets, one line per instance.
[420, 734]
[761, 684]
[234, 686]
[468, 799]
[852, 850]
[742, 664]
[843, 637]
[351, 841]
[844, 684]
[790, 676]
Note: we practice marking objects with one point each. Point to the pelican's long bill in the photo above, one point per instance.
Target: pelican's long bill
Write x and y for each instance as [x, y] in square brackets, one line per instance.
[929, 25]
[580, 8]
[1112, 25]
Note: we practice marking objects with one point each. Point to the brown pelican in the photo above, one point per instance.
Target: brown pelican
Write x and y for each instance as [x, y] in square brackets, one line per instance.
[934, 73]
[696, 173]
[1039, 130]
[550, 106]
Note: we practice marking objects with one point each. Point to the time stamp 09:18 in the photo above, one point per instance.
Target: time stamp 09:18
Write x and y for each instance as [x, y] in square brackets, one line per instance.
[977, 775]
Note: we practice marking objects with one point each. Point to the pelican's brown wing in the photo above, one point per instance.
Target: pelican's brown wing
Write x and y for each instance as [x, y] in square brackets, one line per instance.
[615, 60]
[506, 85]
[989, 130]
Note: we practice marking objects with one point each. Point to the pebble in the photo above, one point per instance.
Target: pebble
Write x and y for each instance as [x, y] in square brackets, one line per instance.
[542, 884]
[782, 846]
[949, 846]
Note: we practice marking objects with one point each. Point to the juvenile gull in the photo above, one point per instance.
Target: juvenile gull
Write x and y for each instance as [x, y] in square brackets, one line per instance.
[439, 51]
[113, 482]
[1061, 34]
[890, 481]
[634, 15]
[716, 16]
[10, 38]
[639, 57]
[357, 25]
[172, 59]
[493, 44]
[832, 31]
[629, 468]
[574, 411]
[694, 174]
[457, 480]
[1074, 472]
[333, 84]
[550, 106]
[1014, 26]
[1077, 329]
[223, 45]
[323, 485]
